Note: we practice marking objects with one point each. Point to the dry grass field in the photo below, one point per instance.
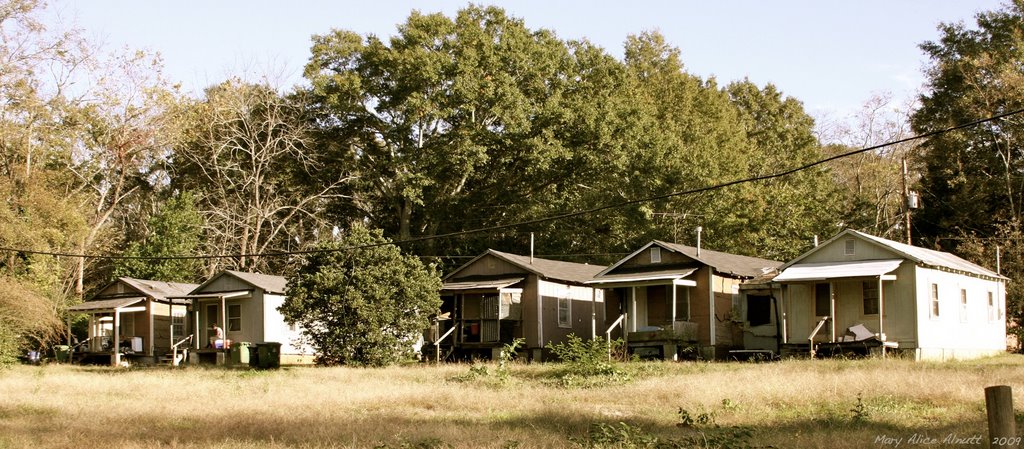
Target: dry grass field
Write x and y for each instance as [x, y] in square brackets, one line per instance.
[789, 404]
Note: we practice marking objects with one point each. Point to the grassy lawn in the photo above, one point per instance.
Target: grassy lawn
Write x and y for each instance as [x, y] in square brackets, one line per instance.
[790, 404]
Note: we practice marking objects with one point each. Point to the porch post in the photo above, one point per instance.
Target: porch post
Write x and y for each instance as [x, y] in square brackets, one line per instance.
[881, 314]
[150, 347]
[195, 314]
[116, 358]
[593, 313]
[673, 287]
[785, 314]
[832, 309]
[223, 317]
[632, 309]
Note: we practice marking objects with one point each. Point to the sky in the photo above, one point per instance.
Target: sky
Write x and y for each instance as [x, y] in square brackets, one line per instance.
[832, 55]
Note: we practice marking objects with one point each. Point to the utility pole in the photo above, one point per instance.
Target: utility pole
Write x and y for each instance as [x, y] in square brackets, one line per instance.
[906, 201]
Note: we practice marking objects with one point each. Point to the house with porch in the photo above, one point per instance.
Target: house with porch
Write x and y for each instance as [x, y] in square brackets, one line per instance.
[857, 290]
[132, 319]
[497, 297]
[666, 298]
[244, 306]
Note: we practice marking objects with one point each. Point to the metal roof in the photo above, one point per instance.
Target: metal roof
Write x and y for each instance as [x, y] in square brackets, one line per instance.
[481, 284]
[105, 304]
[643, 276]
[267, 282]
[158, 290]
[923, 256]
[833, 270]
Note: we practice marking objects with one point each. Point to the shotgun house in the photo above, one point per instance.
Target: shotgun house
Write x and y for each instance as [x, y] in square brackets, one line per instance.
[665, 299]
[859, 291]
[498, 297]
[244, 305]
[132, 319]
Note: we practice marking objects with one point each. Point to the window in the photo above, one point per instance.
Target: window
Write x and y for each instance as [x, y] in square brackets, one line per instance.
[682, 303]
[870, 290]
[991, 307]
[935, 301]
[822, 300]
[655, 255]
[759, 310]
[963, 305]
[126, 328]
[178, 323]
[234, 318]
[850, 247]
[564, 312]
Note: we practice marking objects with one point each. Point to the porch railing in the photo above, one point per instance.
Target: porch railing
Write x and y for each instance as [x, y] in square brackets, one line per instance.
[608, 332]
[175, 361]
[810, 338]
[437, 344]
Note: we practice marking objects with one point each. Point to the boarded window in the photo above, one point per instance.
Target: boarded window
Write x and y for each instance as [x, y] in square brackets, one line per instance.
[870, 290]
[564, 312]
[963, 305]
[655, 255]
[759, 310]
[822, 299]
[234, 318]
[935, 301]
[850, 247]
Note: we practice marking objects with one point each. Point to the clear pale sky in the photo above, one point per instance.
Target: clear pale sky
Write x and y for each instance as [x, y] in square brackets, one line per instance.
[831, 55]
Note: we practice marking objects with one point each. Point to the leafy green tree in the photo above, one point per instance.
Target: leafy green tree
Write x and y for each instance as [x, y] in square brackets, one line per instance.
[173, 231]
[360, 301]
[971, 185]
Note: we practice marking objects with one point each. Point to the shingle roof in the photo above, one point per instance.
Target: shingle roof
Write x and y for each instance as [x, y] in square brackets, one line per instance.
[268, 282]
[928, 256]
[551, 269]
[727, 263]
[159, 289]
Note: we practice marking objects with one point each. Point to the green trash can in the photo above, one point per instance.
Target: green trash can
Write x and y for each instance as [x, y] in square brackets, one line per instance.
[240, 353]
[60, 353]
[269, 355]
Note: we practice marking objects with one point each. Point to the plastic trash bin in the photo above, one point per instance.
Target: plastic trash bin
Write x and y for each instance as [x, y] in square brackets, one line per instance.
[60, 353]
[254, 355]
[240, 352]
[269, 355]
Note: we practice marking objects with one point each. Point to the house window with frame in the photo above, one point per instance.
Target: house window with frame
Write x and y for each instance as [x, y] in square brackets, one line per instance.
[870, 291]
[822, 299]
[851, 246]
[178, 323]
[234, 318]
[935, 301]
[655, 255]
[564, 312]
[963, 305]
[991, 307]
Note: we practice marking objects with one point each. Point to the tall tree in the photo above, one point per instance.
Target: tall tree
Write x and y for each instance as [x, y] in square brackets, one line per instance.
[360, 301]
[972, 185]
[246, 154]
[174, 230]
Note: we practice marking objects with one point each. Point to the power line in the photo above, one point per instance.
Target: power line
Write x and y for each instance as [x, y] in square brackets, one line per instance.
[535, 221]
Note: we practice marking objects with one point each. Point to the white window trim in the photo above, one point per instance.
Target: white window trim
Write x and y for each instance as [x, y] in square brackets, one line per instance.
[568, 312]
[231, 318]
[934, 298]
[963, 305]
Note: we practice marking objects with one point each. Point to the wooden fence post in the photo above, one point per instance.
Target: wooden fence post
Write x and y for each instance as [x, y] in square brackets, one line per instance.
[1002, 430]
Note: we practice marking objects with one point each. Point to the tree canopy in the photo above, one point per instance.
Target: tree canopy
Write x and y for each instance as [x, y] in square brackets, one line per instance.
[360, 301]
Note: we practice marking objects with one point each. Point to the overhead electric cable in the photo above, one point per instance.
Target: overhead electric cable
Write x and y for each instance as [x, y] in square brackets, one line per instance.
[543, 219]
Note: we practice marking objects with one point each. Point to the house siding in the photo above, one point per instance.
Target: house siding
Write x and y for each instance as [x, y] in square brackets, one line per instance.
[946, 336]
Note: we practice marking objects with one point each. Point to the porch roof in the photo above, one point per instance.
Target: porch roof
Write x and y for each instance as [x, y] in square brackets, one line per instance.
[832, 270]
[481, 284]
[643, 277]
[218, 295]
[105, 304]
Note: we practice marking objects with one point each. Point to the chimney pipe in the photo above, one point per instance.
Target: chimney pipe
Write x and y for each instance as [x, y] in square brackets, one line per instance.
[531, 248]
[699, 229]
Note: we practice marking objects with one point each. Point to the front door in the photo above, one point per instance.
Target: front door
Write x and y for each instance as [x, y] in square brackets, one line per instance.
[212, 317]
